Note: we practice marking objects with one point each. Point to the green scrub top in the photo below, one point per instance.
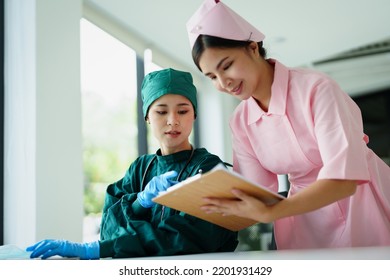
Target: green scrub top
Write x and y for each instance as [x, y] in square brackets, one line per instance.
[129, 230]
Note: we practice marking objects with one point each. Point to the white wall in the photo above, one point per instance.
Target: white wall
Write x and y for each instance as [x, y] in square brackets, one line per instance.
[215, 109]
[43, 159]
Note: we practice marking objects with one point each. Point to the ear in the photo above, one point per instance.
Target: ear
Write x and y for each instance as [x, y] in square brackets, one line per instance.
[254, 48]
[147, 120]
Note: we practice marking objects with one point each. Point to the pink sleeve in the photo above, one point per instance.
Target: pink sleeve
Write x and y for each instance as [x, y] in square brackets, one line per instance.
[245, 161]
[339, 131]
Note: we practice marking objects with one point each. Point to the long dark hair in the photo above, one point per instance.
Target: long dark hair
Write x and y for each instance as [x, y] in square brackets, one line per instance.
[206, 41]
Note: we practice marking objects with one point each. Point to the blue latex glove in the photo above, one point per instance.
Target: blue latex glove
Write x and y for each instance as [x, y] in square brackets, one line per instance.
[50, 247]
[157, 184]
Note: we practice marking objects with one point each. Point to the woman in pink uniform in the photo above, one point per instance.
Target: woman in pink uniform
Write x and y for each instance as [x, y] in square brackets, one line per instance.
[297, 122]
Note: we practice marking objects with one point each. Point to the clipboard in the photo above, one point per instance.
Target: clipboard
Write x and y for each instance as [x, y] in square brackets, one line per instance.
[187, 196]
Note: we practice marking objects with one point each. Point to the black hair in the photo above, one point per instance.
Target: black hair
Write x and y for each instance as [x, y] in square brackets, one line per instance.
[206, 41]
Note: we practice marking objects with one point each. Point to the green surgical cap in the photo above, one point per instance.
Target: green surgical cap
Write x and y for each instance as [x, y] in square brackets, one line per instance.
[167, 81]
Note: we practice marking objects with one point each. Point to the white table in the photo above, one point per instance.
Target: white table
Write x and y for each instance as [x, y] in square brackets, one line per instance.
[364, 253]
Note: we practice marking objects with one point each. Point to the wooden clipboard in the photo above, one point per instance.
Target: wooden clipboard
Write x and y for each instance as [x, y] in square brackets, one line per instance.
[187, 196]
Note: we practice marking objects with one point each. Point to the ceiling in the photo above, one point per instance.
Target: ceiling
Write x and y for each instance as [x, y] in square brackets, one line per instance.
[297, 32]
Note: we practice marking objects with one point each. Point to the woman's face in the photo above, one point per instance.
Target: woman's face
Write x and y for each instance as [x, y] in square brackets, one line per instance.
[171, 118]
[240, 72]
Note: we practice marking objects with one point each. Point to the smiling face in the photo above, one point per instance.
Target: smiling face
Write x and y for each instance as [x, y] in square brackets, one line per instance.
[171, 118]
[240, 72]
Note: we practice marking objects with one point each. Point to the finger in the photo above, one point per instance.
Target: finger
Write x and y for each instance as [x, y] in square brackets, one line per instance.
[214, 209]
[209, 209]
[31, 248]
[240, 194]
[49, 254]
[170, 174]
[36, 245]
[221, 202]
[37, 253]
[41, 250]
[171, 183]
[213, 201]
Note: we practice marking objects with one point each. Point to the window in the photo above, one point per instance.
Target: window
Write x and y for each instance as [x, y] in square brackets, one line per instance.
[109, 117]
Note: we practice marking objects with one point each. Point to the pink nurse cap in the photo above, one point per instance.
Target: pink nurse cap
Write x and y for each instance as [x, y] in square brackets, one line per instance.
[216, 19]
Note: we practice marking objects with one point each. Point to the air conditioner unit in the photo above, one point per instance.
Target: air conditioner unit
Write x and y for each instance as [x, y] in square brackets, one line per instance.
[360, 71]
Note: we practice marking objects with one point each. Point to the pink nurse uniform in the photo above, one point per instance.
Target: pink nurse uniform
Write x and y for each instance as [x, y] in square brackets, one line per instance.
[313, 130]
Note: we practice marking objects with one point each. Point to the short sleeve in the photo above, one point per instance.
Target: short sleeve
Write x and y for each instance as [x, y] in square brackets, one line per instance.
[339, 132]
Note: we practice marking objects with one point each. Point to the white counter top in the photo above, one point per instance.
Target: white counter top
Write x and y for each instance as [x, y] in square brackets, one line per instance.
[364, 253]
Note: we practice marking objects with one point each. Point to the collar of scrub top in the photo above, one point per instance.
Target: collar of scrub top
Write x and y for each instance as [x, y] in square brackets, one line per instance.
[278, 101]
[216, 19]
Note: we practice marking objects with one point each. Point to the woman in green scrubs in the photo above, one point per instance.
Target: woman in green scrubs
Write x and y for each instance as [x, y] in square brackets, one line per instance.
[132, 224]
